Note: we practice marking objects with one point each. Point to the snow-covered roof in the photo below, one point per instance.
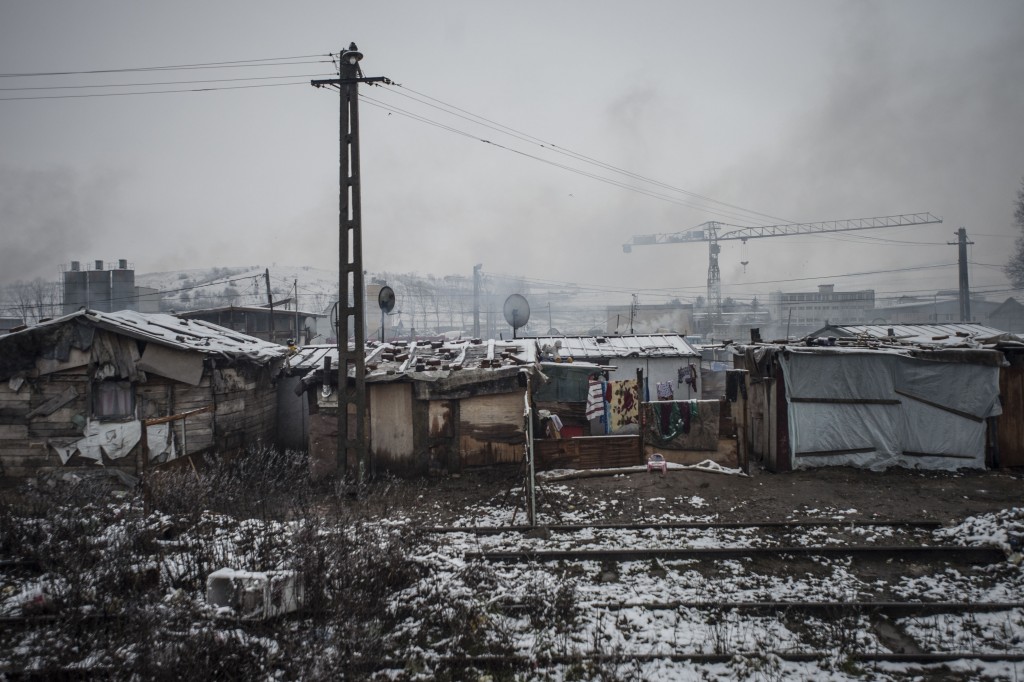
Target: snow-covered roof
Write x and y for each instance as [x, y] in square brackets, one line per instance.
[619, 346]
[959, 334]
[388, 361]
[168, 330]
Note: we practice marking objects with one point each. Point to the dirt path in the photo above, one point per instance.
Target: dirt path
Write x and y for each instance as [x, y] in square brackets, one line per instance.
[762, 496]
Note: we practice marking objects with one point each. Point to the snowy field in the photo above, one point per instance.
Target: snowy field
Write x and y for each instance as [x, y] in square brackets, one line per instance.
[94, 583]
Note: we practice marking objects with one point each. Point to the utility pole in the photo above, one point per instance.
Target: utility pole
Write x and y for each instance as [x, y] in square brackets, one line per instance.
[476, 300]
[295, 294]
[351, 313]
[965, 287]
[270, 304]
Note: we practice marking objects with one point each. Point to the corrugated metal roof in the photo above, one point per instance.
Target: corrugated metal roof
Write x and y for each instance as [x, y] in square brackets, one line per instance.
[951, 334]
[168, 330]
[278, 310]
[619, 346]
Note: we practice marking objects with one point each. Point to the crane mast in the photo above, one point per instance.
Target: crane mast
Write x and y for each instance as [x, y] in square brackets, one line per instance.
[712, 232]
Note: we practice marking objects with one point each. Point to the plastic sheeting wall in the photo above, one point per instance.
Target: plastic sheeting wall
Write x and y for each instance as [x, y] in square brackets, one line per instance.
[878, 410]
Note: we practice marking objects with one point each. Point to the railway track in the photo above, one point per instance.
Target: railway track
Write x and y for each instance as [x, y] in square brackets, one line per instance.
[945, 553]
[689, 525]
[677, 569]
[705, 594]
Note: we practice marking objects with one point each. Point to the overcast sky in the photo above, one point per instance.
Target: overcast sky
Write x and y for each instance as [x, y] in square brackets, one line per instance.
[741, 112]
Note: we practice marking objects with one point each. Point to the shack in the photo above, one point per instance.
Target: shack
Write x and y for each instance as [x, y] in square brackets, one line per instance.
[126, 390]
[870, 404]
[431, 406]
[668, 362]
[1007, 439]
[587, 421]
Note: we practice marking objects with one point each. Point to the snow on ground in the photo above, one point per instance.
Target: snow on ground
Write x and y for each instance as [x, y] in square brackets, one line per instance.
[458, 606]
[610, 618]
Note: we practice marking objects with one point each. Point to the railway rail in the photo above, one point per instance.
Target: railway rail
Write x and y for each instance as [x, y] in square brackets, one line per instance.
[946, 553]
[924, 524]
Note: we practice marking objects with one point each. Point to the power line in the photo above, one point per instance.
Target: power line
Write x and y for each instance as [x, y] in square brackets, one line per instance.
[133, 85]
[582, 157]
[153, 92]
[571, 169]
[173, 67]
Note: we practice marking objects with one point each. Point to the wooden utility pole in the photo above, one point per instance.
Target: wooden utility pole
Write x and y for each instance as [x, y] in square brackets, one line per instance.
[351, 292]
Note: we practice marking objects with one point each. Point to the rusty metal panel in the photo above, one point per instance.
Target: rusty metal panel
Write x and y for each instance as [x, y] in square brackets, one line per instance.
[1011, 422]
[491, 429]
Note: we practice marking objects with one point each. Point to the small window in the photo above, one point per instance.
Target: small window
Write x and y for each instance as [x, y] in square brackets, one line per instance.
[113, 400]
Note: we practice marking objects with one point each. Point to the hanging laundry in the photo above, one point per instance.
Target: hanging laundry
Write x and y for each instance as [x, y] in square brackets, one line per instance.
[664, 390]
[595, 400]
[735, 385]
[624, 406]
[683, 424]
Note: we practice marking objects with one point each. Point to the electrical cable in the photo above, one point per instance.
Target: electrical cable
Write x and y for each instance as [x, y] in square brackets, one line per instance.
[153, 92]
[593, 176]
[285, 61]
[582, 157]
[133, 85]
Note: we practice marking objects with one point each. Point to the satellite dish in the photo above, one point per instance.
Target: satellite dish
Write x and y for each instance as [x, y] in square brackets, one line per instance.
[386, 299]
[517, 312]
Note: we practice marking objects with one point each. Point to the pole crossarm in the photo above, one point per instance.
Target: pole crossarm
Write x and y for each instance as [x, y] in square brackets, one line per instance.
[347, 81]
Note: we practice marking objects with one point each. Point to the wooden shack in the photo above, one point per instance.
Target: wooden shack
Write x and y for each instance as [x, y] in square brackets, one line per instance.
[127, 390]
[432, 406]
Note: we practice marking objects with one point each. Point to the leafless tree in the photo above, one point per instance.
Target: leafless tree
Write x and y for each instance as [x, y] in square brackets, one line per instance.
[35, 300]
[1014, 269]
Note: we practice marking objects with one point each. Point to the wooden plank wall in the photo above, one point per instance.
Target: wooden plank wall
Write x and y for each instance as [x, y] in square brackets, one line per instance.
[160, 397]
[246, 408]
[391, 426]
[589, 452]
[24, 441]
[246, 411]
[1011, 421]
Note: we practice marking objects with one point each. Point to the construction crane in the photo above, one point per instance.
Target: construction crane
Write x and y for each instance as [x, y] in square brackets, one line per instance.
[712, 232]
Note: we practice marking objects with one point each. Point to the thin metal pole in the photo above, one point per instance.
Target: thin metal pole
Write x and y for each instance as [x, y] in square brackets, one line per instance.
[531, 483]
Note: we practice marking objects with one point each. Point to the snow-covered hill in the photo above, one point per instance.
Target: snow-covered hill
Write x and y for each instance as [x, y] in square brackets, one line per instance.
[314, 289]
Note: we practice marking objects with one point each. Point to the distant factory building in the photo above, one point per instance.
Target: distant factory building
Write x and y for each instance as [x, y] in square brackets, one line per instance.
[102, 289]
[804, 311]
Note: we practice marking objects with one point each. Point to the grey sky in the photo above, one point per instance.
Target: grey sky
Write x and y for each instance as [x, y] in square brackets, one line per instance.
[798, 110]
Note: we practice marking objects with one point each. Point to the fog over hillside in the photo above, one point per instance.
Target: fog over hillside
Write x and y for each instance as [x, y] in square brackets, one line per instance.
[425, 302]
